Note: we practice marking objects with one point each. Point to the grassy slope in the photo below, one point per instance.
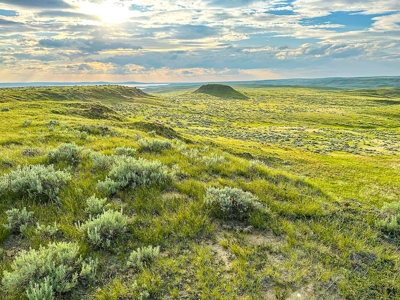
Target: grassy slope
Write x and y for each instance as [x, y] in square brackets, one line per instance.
[220, 91]
[323, 190]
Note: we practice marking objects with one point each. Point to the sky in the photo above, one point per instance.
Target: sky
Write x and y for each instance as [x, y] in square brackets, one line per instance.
[194, 40]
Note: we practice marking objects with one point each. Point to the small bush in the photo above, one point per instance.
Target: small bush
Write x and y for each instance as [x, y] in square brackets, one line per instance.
[38, 291]
[43, 273]
[18, 220]
[125, 151]
[154, 145]
[30, 152]
[52, 123]
[6, 162]
[143, 255]
[101, 230]
[26, 123]
[192, 153]
[390, 218]
[35, 181]
[69, 153]
[49, 230]
[213, 159]
[103, 162]
[95, 206]
[134, 172]
[231, 203]
[152, 133]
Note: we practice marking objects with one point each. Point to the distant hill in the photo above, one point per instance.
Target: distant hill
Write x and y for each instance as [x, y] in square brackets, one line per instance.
[334, 83]
[103, 93]
[342, 83]
[220, 91]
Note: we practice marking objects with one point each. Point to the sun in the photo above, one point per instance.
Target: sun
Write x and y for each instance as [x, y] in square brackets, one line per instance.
[108, 11]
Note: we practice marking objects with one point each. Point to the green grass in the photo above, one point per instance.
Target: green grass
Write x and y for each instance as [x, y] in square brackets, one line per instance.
[322, 162]
[220, 91]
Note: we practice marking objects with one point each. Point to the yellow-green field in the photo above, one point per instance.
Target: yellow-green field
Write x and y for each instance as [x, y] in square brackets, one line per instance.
[321, 163]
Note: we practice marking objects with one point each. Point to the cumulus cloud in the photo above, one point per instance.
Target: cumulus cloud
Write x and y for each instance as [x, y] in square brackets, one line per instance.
[38, 3]
[87, 45]
[67, 14]
[178, 38]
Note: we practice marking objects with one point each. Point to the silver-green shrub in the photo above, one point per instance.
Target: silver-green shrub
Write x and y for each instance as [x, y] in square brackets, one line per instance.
[213, 159]
[95, 206]
[40, 291]
[101, 230]
[125, 151]
[26, 123]
[103, 162]
[134, 172]
[18, 220]
[68, 153]
[143, 255]
[34, 181]
[231, 203]
[47, 230]
[389, 222]
[154, 145]
[88, 270]
[192, 153]
[52, 123]
[44, 273]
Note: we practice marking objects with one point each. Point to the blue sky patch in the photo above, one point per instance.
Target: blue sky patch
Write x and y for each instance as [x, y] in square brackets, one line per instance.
[8, 13]
[283, 12]
[141, 8]
[351, 21]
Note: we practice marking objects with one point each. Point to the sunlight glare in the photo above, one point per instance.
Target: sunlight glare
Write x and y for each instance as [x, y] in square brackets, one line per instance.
[109, 11]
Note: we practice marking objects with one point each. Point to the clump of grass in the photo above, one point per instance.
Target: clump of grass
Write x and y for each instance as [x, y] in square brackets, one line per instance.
[5, 109]
[52, 123]
[125, 151]
[231, 203]
[132, 172]
[154, 145]
[95, 206]
[103, 162]
[47, 272]
[213, 159]
[34, 181]
[101, 230]
[30, 152]
[6, 162]
[18, 220]
[47, 230]
[390, 219]
[142, 256]
[68, 153]
[26, 123]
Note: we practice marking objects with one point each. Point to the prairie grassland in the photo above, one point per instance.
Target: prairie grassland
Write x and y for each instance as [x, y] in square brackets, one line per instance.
[320, 163]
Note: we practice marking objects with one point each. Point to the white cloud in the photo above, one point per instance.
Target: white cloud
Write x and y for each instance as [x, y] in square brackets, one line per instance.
[199, 38]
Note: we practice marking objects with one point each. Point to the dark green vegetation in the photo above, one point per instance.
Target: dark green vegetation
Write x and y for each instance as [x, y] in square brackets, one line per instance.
[190, 196]
[220, 91]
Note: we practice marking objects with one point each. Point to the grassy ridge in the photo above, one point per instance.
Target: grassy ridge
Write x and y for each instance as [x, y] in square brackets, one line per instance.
[220, 91]
[319, 237]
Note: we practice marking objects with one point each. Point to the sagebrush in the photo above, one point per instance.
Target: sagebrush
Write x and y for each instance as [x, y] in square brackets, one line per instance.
[132, 172]
[34, 181]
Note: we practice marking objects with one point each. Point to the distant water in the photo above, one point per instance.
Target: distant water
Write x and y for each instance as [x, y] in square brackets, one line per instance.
[33, 84]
